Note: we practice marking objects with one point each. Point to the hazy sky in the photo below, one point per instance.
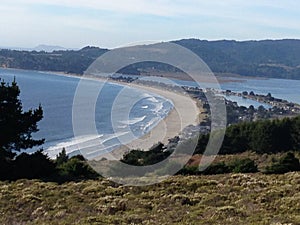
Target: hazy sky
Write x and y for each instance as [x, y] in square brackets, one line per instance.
[111, 23]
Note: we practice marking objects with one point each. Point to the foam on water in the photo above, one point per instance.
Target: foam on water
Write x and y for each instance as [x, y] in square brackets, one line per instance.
[134, 121]
[149, 125]
[84, 144]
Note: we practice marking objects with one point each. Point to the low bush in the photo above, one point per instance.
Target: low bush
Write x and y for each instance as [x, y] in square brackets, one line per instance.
[76, 169]
[243, 166]
[287, 163]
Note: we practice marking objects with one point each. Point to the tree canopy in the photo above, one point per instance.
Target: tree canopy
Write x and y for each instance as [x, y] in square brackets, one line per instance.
[17, 126]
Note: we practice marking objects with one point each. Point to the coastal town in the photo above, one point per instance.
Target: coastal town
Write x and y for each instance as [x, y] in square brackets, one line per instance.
[278, 108]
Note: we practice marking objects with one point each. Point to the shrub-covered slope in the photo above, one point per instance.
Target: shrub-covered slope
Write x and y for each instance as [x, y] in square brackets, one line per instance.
[221, 199]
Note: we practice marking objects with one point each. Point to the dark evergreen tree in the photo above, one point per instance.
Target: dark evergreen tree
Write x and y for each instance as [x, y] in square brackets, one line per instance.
[262, 137]
[16, 126]
[295, 134]
[34, 166]
[62, 157]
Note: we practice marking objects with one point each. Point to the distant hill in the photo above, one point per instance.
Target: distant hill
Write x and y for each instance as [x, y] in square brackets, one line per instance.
[268, 58]
[40, 48]
[69, 61]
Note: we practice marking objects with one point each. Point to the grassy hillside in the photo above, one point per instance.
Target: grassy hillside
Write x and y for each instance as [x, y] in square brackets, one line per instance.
[220, 199]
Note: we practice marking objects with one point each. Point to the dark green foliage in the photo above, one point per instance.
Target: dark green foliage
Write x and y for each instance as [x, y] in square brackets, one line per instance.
[217, 168]
[295, 135]
[237, 139]
[243, 166]
[272, 136]
[16, 126]
[34, 166]
[189, 170]
[236, 166]
[287, 163]
[76, 169]
[143, 158]
[39, 166]
[62, 157]
[264, 136]
[6, 165]
[202, 143]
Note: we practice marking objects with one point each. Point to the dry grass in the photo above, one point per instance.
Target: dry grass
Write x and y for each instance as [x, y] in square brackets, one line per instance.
[221, 199]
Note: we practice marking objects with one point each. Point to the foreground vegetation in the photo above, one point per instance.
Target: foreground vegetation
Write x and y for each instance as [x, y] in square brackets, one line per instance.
[219, 199]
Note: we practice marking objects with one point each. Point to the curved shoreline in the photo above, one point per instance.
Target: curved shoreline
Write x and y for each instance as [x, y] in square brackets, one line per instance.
[184, 113]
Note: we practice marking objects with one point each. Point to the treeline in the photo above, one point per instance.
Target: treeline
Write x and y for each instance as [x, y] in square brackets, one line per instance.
[39, 166]
[264, 136]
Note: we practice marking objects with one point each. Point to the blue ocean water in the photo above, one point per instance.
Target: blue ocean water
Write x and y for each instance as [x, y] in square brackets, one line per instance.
[56, 93]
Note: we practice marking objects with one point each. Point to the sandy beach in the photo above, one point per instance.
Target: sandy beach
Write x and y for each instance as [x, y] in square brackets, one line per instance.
[185, 113]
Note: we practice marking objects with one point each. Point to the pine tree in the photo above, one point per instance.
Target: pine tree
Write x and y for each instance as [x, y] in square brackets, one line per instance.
[16, 126]
[62, 157]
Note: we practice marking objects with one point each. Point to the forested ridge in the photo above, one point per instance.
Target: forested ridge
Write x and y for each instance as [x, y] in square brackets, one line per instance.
[267, 58]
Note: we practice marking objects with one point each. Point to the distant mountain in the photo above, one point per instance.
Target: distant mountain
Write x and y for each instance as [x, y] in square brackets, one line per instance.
[268, 58]
[50, 48]
[39, 48]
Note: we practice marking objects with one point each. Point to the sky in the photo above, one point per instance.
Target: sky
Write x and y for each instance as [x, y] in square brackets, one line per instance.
[116, 23]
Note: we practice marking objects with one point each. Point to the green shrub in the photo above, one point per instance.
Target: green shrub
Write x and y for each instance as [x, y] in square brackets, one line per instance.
[189, 170]
[217, 168]
[76, 169]
[155, 155]
[287, 163]
[243, 166]
[62, 157]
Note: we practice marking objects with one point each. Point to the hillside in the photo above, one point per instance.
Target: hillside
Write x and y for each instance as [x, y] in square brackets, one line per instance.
[219, 199]
[268, 58]
[70, 61]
